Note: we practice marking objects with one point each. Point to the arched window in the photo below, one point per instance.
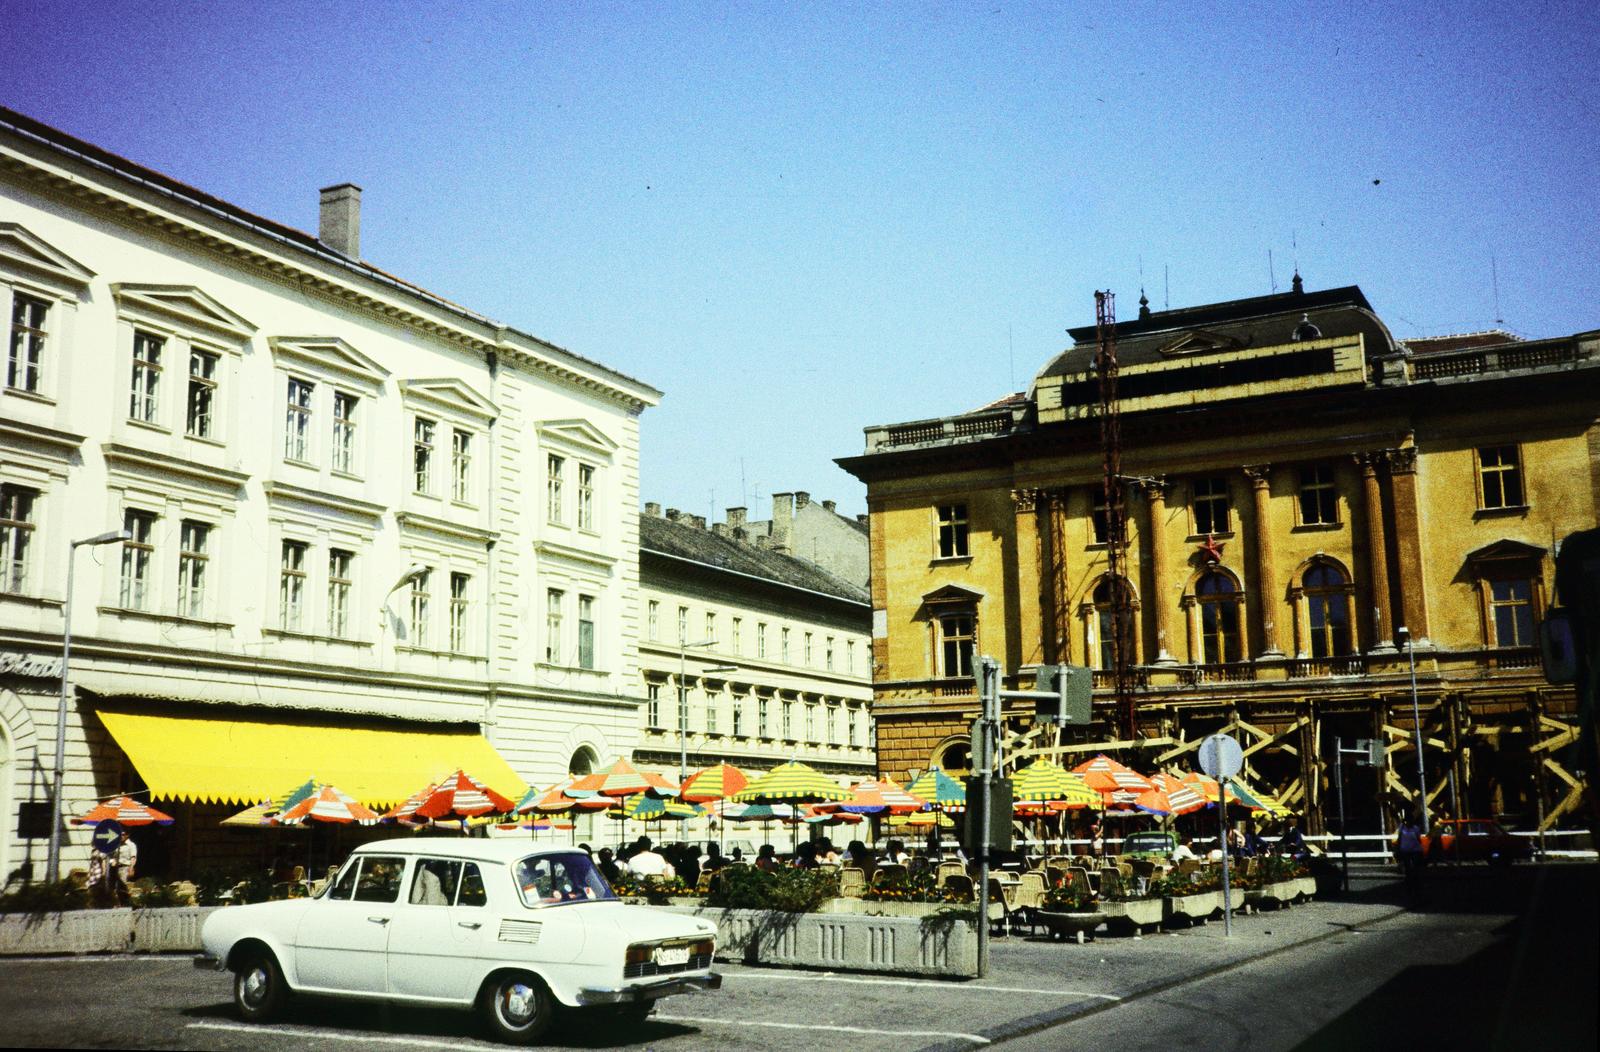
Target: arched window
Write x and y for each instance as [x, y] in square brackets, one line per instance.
[1327, 599]
[583, 762]
[1219, 601]
[954, 758]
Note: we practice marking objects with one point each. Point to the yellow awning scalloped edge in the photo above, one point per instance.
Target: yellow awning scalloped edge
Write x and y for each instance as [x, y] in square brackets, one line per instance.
[233, 761]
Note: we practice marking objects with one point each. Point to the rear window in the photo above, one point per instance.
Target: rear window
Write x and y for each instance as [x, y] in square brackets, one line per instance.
[552, 880]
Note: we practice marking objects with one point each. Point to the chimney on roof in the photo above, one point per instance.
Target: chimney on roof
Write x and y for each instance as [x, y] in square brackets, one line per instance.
[783, 505]
[829, 505]
[736, 516]
[801, 499]
[673, 514]
[339, 226]
[862, 518]
[652, 509]
[697, 521]
[721, 529]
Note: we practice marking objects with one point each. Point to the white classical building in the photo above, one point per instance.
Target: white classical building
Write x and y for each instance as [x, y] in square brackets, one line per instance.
[371, 532]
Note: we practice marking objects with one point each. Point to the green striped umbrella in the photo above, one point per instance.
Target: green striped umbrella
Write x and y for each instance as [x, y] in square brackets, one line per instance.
[935, 787]
[1049, 782]
[792, 781]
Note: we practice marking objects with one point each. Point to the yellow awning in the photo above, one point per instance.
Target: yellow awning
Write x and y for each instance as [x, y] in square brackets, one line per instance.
[227, 760]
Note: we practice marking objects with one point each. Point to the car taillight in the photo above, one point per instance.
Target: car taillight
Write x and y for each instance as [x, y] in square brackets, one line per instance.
[703, 948]
[638, 953]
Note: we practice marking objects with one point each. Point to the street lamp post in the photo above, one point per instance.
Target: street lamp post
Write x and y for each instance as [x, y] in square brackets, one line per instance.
[53, 862]
[1416, 726]
[683, 707]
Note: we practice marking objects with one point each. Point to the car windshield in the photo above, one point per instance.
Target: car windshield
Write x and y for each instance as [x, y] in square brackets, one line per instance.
[554, 879]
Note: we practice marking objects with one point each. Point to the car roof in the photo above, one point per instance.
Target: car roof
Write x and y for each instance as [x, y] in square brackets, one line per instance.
[475, 848]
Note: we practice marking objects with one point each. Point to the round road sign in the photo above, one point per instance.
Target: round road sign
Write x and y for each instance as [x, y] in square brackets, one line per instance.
[1220, 756]
[107, 835]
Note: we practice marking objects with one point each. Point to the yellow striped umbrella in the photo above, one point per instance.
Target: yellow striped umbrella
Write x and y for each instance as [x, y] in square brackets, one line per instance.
[1051, 783]
[792, 781]
[645, 808]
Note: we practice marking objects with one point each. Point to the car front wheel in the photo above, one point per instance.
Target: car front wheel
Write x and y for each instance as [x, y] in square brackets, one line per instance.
[258, 988]
[518, 1008]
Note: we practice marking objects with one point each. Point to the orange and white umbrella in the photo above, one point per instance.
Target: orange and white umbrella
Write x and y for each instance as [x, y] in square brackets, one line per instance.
[459, 796]
[555, 801]
[1116, 782]
[713, 783]
[876, 797]
[128, 811]
[327, 804]
[1168, 795]
[622, 779]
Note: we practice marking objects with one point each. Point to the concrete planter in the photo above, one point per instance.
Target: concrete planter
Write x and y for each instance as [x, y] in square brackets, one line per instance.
[1137, 915]
[941, 943]
[1306, 888]
[1192, 909]
[1279, 894]
[1074, 925]
[175, 929]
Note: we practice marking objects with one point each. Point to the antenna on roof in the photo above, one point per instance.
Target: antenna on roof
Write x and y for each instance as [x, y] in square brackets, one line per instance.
[1494, 277]
[1011, 357]
[1273, 278]
[1166, 287]
[744, 494]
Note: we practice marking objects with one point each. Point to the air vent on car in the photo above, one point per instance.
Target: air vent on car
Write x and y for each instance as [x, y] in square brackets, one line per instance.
[520, 931]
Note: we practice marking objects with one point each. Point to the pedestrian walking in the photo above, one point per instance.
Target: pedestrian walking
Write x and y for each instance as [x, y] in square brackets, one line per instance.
[1408, 850]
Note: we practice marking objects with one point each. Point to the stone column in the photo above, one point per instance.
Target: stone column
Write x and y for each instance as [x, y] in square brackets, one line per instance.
[1408, 541]
[1155, 492]
[1260, 476]
[1377, 553]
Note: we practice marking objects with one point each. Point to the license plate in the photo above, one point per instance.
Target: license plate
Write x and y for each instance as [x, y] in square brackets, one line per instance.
[669, 955]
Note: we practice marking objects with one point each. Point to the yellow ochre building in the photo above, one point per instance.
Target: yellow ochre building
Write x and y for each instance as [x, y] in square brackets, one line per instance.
[1311, 504]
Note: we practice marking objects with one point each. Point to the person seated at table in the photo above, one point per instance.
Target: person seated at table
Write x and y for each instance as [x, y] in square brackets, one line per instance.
[895, 853]
[856, 854]
[1184, 852]
[826, 854]
[714, 859]
[1293, 841]
[607, 864]
[767, 858]
[645, 862]
[805, 856]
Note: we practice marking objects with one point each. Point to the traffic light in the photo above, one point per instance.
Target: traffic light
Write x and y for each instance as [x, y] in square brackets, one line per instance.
[1073, 687]
[998, 800]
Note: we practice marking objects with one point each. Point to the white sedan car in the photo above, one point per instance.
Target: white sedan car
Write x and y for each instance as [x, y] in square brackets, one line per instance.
[488, 924]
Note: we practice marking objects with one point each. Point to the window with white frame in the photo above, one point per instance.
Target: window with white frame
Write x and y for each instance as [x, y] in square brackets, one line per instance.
[956, 639]
[808, 650]
[25, 360]
[585, 497]
[1319, 496]
[787, 716]
[459, 583]
[138, 551]
[586, 631]
[16, 537]
[831, 721]
[736, 631]
[763, 707]
[850, 656]
[345, 405]
[194, 559]
[738, 716]
[1500, 478]
[555, 472]
[783, 645]
[711, 625]
[145, 390]
[952, 532]
[653, 619]
[297, 420]
[553, 599]
[1210, 506]
[683, 624]
[199, 418]
[461, 465]
[713, 703]
[811, 721]
[652, 705]
[341, 566]
[761, 639]
[853, 726]
[421, 608]
[827, 654]
[422, 434]
[292, 586]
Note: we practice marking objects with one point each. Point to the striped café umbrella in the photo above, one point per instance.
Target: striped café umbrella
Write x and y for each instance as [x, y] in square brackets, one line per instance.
[1169, 795]
[458, 796]
[876, 797]
[1050, 783]
[1116, 782]
[935, 787]
[622, 779]
[555, 801]
[128, 811]
[793, 782]
[327, 804]
[646, 808]
[713, 783]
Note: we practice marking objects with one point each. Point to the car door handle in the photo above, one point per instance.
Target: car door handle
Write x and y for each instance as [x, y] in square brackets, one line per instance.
[379, 920]
[474, 925]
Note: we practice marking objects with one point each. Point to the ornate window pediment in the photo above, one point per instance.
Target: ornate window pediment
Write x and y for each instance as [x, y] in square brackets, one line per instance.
[184, 306]
[451, 396]
[1505, 550]
[577, 435]
[27, 254]
[1199, 341]
[329, 355]
[952, 594]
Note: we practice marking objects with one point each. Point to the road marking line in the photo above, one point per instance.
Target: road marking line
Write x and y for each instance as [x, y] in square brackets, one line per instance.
[704, 1020]
[100, 958]
[921, 984]
[335, 1035]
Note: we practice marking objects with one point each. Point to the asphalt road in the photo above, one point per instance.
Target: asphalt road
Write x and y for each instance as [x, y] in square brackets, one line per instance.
[1465, 973]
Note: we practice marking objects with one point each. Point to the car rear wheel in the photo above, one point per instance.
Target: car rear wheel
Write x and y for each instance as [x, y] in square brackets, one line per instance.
[518, 1008]
[258, 988]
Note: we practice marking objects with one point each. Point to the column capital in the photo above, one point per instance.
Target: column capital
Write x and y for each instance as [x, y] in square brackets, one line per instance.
[1154, 487]
[1026, 499]
[1260, 475]
[1402, 461]
[1368, 461]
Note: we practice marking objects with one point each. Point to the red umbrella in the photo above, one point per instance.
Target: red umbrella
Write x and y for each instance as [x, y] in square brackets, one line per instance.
[622, 779]
[128, 811]
[458, 796]
[713, 783]
[1169, 796]
[555, 800]
[1118, 783]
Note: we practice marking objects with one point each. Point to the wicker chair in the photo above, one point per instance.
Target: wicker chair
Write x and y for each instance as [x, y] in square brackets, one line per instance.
[950, 869]
[852, 883]
[959, 886]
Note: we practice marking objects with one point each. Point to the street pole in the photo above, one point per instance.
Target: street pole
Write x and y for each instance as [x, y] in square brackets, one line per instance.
[53, 861]
[989, 699]
[1344, 835]
[1227, 891]
[683, 708]
[1416, 726]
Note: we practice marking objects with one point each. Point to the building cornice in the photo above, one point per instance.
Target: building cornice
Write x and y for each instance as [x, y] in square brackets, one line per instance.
[133, 460]
[282, 492]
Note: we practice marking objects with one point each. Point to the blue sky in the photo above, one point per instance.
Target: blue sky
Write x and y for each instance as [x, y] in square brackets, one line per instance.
[799, 220]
